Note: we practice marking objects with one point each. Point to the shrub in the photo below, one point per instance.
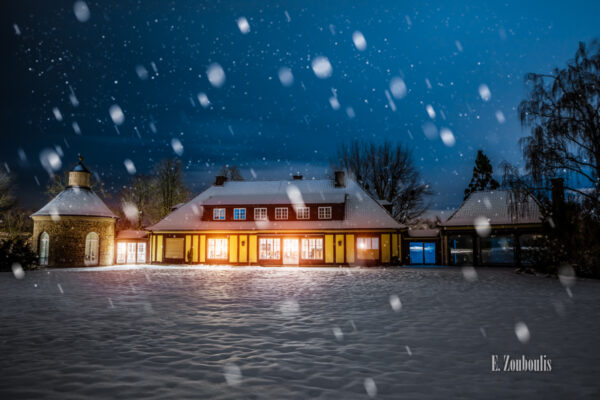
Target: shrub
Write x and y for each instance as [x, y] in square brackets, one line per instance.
[16, 250]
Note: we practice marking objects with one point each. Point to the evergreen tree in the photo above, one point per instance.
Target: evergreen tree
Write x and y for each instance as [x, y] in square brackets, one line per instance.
[482, 176]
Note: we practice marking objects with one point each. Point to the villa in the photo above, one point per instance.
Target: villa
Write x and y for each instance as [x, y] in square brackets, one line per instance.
[289, 222]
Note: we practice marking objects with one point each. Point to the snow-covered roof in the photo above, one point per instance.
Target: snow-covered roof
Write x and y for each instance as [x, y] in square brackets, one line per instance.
[423, 233]
[277, 198]
[132, 234]
[362, 211]
[78, 201]
[500, 207]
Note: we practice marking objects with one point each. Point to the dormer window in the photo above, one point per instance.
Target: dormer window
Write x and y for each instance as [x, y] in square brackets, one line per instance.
[219, 214]
[239, 213]
[303, 212]
[324, 213]
[260, 214]
[281, 213]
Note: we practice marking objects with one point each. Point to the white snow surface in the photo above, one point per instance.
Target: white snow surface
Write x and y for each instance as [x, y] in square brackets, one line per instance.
[76, 200]
[185, 332]
[362, 211]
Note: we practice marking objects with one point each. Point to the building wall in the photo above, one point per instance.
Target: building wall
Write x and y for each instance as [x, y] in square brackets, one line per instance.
[339, 248]
[67, 239]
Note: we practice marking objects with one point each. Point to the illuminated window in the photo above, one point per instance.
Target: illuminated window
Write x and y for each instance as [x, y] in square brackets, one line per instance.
[121, 252]
[281, 213]
[269, 249]
[260, 214]
[239, 213]
[312, 249]
[219, 214]
[324, 212]
[91, 249]
[44, 247]
[217, 249]
[303, 212]
[368, 243]
[367, 248]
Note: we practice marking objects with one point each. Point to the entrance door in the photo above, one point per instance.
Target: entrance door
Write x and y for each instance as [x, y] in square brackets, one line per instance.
[291, 253]
[131, 253]
[141, 252]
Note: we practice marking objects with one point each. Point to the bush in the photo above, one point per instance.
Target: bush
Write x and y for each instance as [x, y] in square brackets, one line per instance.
[16, 250]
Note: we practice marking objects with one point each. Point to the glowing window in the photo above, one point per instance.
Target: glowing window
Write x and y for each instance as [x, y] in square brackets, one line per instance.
[281, 213]
[367, 243]
[239, 213]
[44, 247]
[260, 214]
[217, 249]
[312, 249]
[121, 252]
[324, 212]
[91, 248]
[303, 212]
[269, 248]
[219, 214]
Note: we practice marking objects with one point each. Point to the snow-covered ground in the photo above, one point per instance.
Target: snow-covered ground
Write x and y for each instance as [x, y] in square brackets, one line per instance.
[275, 333]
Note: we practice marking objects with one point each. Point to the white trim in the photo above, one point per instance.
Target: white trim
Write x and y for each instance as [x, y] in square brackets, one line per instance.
[258, 214]
[302, 210]
[283, 213]
[239, 209]
[324, 212]
[217, 212]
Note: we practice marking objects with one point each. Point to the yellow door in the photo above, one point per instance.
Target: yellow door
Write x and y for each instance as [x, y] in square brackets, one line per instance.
[385, 248]
[328, 248]
[159, 248]
[339, 249]
[243, 248]
[202, 248]
[252, 245]
[233, 248]
[195, 248]
[349, 249]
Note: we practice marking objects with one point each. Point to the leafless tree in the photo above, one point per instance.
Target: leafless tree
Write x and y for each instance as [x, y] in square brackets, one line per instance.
[7, 200]
[168, 185]
[138, 193]
[563, 111]
[387, 172]
[232, 172]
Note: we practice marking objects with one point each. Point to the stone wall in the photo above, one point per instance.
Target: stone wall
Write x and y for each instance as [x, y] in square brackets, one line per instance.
[67, 239]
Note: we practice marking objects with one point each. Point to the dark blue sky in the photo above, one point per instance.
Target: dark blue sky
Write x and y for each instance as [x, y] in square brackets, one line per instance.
[443, 51]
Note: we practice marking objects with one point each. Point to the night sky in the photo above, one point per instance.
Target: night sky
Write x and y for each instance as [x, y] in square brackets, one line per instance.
[64, 68]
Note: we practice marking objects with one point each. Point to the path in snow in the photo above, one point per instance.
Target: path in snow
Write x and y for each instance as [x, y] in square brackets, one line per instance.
[292, 333]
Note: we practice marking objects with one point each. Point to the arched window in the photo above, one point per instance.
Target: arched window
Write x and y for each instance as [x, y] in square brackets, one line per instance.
[91, 248]
[44, 247]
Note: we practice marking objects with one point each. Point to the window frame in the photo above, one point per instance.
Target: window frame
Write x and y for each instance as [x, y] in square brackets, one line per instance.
[308, 248]
[44, 250]
[287, 214]
[260, 210]
[217, 214]
[325, 212]
[225, 256]
[239, 210]
[300, 210]
[273, 240]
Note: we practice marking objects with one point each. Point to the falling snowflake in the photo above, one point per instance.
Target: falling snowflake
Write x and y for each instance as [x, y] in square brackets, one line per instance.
[177, 146]
[482, 226]
[359, 41]
[216, 75]
[398, 87]
[116, 114]
[243, 24]
[82, 11]
[129, 166]
[285, 76]
[484, 92]
[322, 67]
[395, 303]
[522, 332]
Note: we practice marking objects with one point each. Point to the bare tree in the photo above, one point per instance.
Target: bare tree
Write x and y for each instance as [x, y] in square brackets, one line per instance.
[139, 193]
[7, 200]
[563, 111]
[169, 187]
[232, 172]
[387, 172]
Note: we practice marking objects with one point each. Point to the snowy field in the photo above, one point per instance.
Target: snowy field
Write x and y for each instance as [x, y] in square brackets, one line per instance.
[277, 333]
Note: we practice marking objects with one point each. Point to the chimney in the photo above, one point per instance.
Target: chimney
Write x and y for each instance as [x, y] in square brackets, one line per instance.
[297, 177]
[558, 193]
[220, 180]
[80, 175]
[340, 179]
